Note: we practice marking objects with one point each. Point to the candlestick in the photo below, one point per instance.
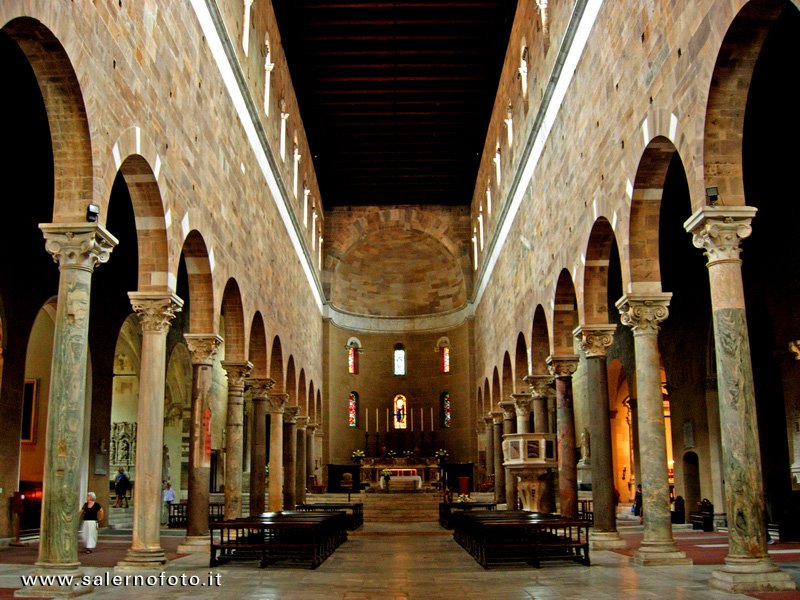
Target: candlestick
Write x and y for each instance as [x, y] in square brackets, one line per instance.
[421, 420]
[432, 419]
[411, 412]
[366, 419]
[387, 420]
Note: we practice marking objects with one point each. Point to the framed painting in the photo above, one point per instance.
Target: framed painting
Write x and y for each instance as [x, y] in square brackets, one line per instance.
[30, 392]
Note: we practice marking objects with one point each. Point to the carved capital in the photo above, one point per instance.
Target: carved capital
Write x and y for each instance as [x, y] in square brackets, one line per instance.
[539, 386]
[497, 417]
[488, 420]
[78, 245]
[290, 412]
[563, 365]
[719, 230]
[259, 388]
[595, 340]
[522, 404]
[643, 312]
[202, 347]
[302, 422]
[507, 407]
[277, 402]
[237, 372]
[310, 427]
[155, 310]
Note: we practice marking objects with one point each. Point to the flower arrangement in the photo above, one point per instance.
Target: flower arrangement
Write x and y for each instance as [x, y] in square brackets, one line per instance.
[463, 498]
[441, 454]
[408, 453]
[357, 455]
[391, 454]
[386, 474]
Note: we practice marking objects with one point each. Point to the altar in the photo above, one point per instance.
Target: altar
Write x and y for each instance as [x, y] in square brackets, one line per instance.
[401, 475]
[422, 472]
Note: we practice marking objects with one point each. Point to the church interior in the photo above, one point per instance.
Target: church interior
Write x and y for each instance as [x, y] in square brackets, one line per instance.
[512, 254]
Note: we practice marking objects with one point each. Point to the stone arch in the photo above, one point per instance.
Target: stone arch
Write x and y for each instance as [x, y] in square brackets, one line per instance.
[487, 399]
[643, 259]
[302, 393]
[540, 342]
[479, 402]
[595, 274]
[727, 98]
[521, 368]
[276, 365]
[496, 390]
[565, 315]
[312, 402]
[66, 114]
[291, 382]
[233, 321]
[318, 403]
[508, 378]
[201, 287]
[257, 351]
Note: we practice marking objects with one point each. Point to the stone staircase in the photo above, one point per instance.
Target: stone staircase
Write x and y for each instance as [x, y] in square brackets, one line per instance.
[400, 507]
[120, 518]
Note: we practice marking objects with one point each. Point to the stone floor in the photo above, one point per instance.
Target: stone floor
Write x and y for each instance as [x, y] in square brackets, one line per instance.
[417, 561]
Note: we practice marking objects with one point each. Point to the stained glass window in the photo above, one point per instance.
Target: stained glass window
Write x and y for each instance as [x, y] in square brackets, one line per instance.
[352, 360]
[352, 409]
[399, 359]
[445, 353]
[400, 412]
[446, 414]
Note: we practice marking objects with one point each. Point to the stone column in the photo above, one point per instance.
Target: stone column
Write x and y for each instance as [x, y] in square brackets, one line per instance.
[310, 458]
[643, 313]
[595, 340]
[497, 452]
[509, 426]
[259, 393]
[300, 489]
[748, 568]
[715, 452]
[290, 455]
[234, 436]
[277, 404]
[562, 368]
[77, 248]
[202, 347]
[522, 411]
[155, 311]
[489, 441]
[540, 387]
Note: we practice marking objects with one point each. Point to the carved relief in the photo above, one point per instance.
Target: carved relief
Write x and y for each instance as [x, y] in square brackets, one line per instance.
[123, 444]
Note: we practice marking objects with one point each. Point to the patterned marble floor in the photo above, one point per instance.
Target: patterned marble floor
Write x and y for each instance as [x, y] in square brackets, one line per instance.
[418, 562]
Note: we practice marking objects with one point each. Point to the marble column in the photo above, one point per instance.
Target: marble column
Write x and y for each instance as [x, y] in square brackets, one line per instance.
[234, 436]
[290, 456]
[300, 488]
[202, 347]
[562, 368]
[310, 458]
[276, 407]
[259, 394]
[715, 452]
[155, 311]
[497, 452]
[643, 313]
[509, 426]
[489, 441]
[77, 248]
[594, 341]
[540, 387]
[748, 567]
[522, 412]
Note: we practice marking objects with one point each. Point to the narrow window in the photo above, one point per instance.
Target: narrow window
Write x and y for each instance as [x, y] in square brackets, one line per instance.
[497, 164]
[268, 66]
[447, 417]
[284, 118]
[399, 359]
[246, 26]
[475, 249]
[488, 199]
[400, 410]
[443, 349]
[523, 71]
[319, 250]
[313, 227]
[296, 155]
[480, 228]
[352, 409]
[353, 348]
[306, 193]
[509, 121]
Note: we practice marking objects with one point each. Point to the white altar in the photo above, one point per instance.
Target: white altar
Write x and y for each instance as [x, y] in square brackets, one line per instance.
[402, 475]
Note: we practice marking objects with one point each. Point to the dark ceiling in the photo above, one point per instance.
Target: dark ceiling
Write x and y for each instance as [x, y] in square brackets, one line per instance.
[395, 96]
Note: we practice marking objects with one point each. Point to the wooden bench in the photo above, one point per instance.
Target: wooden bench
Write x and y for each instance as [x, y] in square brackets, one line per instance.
[446, 510]
[178, 514]
[494, 537]
[291, 536]
[355, 510]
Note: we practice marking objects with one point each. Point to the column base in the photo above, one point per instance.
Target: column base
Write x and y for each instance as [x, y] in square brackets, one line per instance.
[142, 559]
[194, 544]
[657, 555]
[606, 540]
[55, 591]
[720, 520]
[743, 575]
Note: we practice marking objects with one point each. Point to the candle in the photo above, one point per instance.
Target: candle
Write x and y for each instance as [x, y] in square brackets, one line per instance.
[377, 423]
[421, 420]
[432, 428]
[412, 419]
[366, 419]
[387, 420]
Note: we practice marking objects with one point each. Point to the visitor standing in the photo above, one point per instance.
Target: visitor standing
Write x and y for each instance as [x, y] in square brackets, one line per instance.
[121, 486]
[167, 497]
[91, 513]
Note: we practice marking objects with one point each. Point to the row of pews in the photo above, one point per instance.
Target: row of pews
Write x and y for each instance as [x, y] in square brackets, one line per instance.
[510, 536]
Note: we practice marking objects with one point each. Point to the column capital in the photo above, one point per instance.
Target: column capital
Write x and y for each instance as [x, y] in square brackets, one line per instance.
[507, 407]
[310, 427]
[155, 310]
[643, 312]
[78, 245]
[259, 387]
[238, 371]
[719, 230]
[539, 386]
[488, 419]
[563, 365]
[202, 347]
[497, 417]
[302, 422]
[595, 340]
[277, 402]
[522, 404]
[290, 412]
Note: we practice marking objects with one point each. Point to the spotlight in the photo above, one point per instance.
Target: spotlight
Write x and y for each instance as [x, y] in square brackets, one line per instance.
[712, 193]
[92, 212]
